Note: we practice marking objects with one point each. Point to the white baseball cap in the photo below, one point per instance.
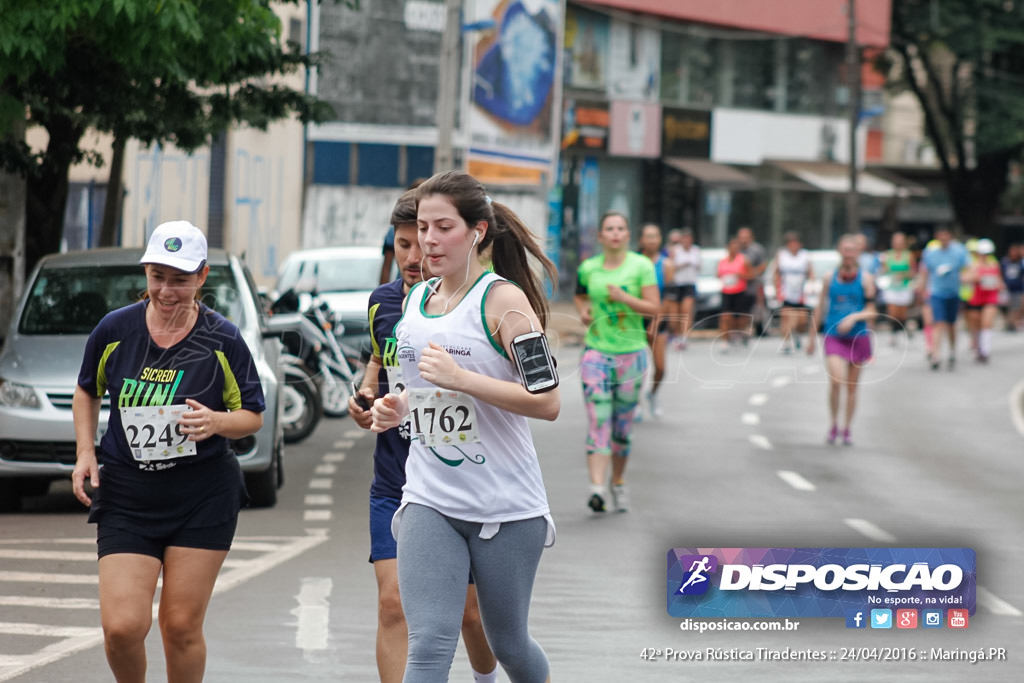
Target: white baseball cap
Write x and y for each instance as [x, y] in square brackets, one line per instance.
[986, 246]
[177, 244]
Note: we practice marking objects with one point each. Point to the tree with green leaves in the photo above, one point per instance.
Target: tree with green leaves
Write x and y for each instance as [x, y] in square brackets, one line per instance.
[964, 61]
[161, 71]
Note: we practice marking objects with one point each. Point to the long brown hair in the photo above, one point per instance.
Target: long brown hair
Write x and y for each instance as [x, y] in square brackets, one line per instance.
[511, 242]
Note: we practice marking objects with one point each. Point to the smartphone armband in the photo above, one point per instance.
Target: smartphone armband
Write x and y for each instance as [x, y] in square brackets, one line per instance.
[533, 360]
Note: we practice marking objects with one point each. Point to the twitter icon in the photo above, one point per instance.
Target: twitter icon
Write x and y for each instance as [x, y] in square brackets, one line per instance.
[881, 618]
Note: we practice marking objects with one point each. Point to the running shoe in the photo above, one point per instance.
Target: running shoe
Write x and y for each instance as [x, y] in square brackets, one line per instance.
[934, 362]
[832, 434]
[620, 495]
[596, 501]
[951, 364]
[652, 405]
[847, 441]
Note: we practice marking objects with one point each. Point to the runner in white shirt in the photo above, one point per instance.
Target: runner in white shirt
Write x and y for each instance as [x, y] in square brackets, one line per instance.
[681, 295]
[474, 498]
[792, 272]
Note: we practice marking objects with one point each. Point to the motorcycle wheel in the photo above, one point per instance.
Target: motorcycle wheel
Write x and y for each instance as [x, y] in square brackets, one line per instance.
[335, 399]
[302, 406]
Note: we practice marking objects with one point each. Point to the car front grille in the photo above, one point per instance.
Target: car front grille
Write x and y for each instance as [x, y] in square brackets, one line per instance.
[62, 452]
[62, 400]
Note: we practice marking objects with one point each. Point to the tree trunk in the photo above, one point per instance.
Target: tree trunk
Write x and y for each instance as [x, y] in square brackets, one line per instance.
[47, 192]
[113, 204]
[975, 193]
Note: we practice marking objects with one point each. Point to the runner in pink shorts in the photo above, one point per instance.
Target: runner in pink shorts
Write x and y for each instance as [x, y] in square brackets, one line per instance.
[847, 303]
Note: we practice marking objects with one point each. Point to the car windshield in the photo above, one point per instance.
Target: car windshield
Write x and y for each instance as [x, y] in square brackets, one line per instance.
[72, 300]
[341, 274]
[709, 259]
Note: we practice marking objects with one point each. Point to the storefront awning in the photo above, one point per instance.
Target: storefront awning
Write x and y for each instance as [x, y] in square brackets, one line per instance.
[834, 177]
[712, 174]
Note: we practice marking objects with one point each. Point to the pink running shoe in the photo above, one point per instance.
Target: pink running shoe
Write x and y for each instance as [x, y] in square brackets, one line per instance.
[832, 434]
[847, 441]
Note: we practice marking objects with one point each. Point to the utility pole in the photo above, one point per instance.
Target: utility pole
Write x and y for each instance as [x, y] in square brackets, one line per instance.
[447, 86]
[853, 104]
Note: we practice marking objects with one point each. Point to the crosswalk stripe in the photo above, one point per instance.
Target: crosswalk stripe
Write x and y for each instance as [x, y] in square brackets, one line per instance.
[47, 630]
[995, 604]
[42, 577]
[49, 603]
[61, 555]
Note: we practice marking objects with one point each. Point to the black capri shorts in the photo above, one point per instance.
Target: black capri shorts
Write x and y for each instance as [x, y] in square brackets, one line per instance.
[740, 302]
[189, 506]
[680, 292]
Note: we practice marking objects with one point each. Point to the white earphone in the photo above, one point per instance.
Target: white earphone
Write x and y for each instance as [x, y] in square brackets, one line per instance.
[476, 238]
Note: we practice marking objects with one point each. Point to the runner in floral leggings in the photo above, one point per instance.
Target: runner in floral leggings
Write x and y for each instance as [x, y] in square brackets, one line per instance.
[615, 289]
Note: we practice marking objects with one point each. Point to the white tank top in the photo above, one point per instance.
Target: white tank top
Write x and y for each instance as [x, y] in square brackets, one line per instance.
[793, 274]
[687, 262]
[497, 479]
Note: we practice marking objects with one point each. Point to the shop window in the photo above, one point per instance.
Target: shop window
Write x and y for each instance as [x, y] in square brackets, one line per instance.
[688, 68]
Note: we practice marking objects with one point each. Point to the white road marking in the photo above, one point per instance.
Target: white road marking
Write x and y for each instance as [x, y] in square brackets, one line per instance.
[321, 483]
[58, 555]
[325, 468]
[318, 499]
[77, 639]
[781, 381]
[49, 603]
[810, 369]
[351, 435]
[870, 530]
[1017, 406]
[313, 614]
[758, 399]
[795, 480]
[334, 457]
[39, 577]
[316, 515]
[995, 604]
[761, 441]
[750, 419]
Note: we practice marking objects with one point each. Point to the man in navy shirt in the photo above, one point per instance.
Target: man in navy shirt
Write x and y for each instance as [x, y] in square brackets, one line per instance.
[389, 456]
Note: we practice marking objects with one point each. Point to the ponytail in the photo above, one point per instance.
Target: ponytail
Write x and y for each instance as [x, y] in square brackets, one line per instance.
[512, 246]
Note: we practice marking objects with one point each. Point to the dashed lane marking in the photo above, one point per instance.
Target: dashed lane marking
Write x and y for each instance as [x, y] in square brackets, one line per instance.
[313, 614]
[868, 529]
[321, 483]
[795, 480]
[994, 604]
[781, 381]
[316, 515]
[334, 457]
[758, 399]
[325, 468]
[318, 499]
[761, 441]
[750, 419]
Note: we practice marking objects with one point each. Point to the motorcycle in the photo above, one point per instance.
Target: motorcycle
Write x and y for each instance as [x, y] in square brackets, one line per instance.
[301, 404]
[334, 365]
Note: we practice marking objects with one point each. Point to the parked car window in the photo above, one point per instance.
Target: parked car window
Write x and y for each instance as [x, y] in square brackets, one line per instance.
[73, 300]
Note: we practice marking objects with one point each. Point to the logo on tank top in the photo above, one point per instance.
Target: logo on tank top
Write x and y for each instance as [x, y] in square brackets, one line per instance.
[464, 351]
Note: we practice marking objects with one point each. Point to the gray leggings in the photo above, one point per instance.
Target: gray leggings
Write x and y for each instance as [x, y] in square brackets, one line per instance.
[435, 555]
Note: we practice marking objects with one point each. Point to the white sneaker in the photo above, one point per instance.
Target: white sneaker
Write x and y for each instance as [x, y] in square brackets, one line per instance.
[653, 405]
[620, 496]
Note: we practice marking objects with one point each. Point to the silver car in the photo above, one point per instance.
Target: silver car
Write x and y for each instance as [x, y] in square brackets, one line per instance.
[64, 299]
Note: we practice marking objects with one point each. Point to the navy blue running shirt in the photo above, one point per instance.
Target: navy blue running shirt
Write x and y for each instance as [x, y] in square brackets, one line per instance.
[392, 447]
[212, 365]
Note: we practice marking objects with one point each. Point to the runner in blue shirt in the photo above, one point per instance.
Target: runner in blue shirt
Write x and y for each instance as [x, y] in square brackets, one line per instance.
[389, 456]
[940, 270]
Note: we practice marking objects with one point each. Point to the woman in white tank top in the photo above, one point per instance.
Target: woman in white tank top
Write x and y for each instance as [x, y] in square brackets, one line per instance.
[474, 496]
[681, 297]
[792, 272]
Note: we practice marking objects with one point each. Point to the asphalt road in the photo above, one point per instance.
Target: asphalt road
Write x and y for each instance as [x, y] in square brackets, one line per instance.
[738, 460]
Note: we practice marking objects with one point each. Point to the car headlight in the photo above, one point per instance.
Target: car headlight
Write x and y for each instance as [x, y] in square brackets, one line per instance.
[14, 395]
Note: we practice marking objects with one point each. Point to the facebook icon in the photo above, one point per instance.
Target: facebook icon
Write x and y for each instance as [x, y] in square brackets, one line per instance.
[856, 619]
